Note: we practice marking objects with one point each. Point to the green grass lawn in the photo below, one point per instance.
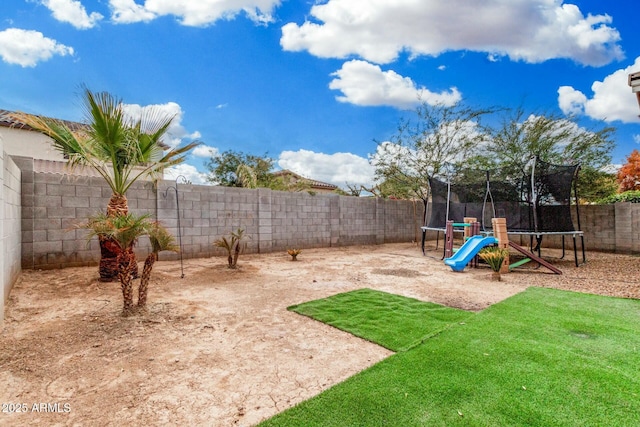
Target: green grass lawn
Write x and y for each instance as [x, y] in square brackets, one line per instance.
[541, 358]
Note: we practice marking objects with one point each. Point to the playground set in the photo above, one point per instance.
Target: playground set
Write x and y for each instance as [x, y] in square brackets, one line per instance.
[489, 206]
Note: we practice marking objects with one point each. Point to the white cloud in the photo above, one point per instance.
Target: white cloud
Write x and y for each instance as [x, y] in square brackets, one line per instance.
[176, 132]
[366, 84]
[72, 12]
[612, 98]
[636, 138]
[27, 47]
[338, 169]
[185, 171]
[128, 11]
[196, 13]
[205, 151]
[528, 30]
[571, 101]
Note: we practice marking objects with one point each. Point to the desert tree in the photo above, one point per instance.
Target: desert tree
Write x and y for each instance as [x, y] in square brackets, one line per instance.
[237, 169]
[519, 137]
[423, 147]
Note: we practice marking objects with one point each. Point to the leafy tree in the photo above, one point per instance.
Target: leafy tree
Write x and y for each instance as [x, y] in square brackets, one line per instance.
[554, 140]
[120, 148]
[629, 173]
[595, 185]
[236, 169]
[422, 148]
[284, 182]
[386, 190]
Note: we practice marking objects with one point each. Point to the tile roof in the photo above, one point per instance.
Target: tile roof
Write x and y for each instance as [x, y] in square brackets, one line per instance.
[314, 183]
[8, 119]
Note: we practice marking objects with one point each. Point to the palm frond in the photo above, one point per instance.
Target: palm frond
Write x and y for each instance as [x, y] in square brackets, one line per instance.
[123, 229]
[161, 239]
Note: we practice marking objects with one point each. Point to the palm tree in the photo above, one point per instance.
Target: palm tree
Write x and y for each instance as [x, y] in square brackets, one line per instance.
[161, 240]
[120, 148]
[122, 231]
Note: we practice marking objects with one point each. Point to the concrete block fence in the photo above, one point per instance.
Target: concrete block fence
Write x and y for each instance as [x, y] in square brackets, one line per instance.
[10, 236]
[53, 204]
[273, 221]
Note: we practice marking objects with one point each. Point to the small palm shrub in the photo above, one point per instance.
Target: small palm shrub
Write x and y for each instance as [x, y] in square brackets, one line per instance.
[233, 245]
[123, 231]
[294, 253]
[161, 240]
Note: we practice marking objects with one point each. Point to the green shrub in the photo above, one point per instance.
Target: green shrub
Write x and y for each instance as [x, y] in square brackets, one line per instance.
[632, 196]
[494, 256]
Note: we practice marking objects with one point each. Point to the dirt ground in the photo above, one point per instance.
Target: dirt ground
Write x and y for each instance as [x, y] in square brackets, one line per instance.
[218, 346]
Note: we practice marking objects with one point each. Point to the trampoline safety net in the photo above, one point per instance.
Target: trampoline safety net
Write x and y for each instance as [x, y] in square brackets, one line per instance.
[541, 204]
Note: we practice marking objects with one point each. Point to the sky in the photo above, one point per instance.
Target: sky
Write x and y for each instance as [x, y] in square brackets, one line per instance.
[317, 85]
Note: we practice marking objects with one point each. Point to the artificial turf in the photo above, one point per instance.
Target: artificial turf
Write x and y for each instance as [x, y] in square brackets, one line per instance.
[392, 321]
[541, 358]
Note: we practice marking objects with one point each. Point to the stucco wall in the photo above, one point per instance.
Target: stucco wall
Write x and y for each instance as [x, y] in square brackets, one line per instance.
[20, 142]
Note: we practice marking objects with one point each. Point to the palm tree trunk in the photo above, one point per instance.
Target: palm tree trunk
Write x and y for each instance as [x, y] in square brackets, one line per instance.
[144, 279]
[109, 250]
[125, 261]
[118, 205]
[236, 254]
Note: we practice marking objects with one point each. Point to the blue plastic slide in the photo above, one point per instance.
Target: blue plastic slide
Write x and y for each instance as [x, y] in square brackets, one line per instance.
[471, 247]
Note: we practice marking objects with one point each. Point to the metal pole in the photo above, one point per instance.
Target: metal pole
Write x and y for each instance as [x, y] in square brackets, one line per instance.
[175, 188]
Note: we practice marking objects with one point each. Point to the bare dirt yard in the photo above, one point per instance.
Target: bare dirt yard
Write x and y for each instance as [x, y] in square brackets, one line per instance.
[218, 347]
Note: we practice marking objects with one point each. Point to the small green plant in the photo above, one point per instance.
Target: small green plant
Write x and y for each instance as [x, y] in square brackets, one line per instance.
[233, 245]
[494, 256]
[294, 253]
[632, 196]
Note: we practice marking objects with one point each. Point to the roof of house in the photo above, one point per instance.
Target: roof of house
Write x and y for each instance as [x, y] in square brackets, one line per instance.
[312, 182]
[9, 119]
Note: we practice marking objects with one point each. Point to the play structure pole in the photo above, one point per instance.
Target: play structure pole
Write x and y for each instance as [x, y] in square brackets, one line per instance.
[500, 233]
[448, 239]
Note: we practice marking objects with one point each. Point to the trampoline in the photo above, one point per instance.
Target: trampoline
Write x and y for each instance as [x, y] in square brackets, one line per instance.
[537, 203]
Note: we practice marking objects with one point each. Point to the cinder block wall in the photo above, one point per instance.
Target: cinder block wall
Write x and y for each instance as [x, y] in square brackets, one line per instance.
[272, 220]
[206, 214]
[53, 206]
[607, 228]
[10, 236]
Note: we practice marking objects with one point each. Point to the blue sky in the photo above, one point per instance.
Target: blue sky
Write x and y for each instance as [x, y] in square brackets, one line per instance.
[314, 84]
